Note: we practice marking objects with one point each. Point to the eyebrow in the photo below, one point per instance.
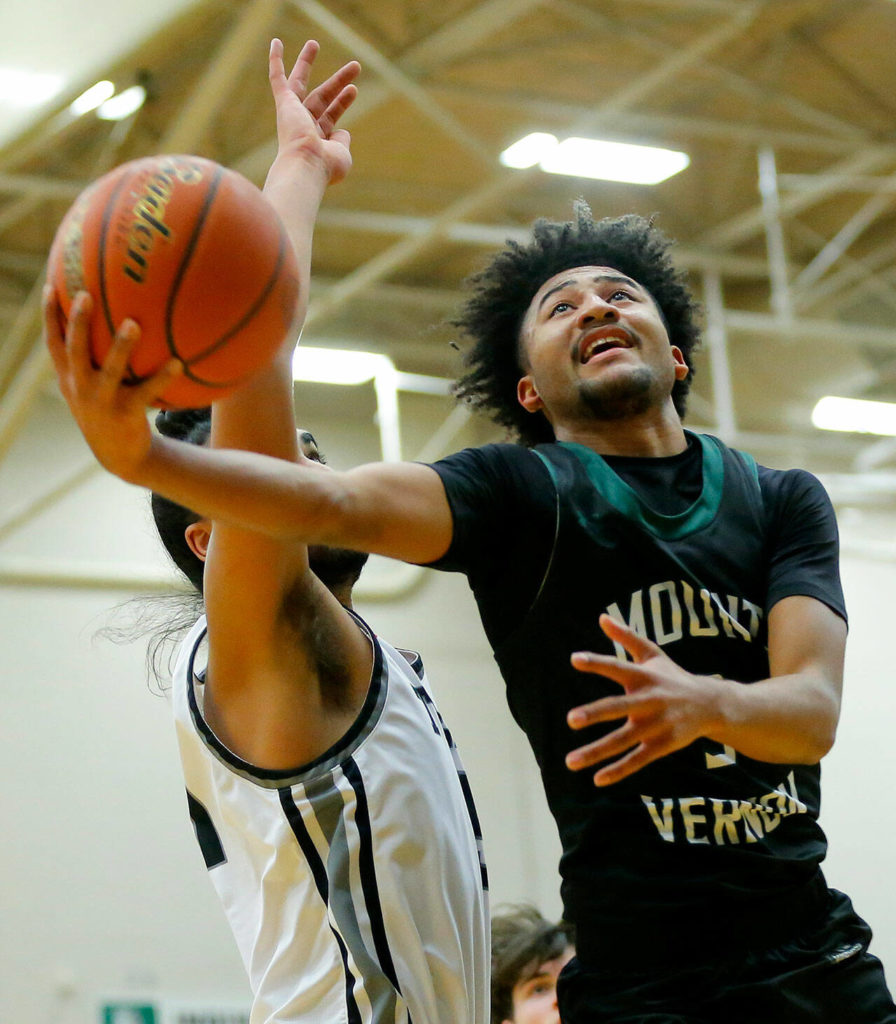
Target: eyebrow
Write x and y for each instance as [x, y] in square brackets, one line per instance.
[611, 278]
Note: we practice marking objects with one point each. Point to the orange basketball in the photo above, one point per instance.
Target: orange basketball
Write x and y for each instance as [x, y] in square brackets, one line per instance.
[194, 253]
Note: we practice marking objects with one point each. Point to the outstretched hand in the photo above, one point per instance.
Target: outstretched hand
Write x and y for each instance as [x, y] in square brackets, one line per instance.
[110, 413]
[665, 708]
[306, 121]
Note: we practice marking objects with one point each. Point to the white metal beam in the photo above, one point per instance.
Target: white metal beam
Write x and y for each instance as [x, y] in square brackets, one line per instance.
[744, 226]
[395, 78]
[241, 44]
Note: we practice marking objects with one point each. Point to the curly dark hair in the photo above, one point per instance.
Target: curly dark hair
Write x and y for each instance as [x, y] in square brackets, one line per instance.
[493, 315]
[522, 940]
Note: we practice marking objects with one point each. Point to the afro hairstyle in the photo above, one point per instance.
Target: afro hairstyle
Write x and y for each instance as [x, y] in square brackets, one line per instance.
[492, 316]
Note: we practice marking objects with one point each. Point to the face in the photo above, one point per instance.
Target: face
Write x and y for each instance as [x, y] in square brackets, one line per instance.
[535, 997]
[594, 346]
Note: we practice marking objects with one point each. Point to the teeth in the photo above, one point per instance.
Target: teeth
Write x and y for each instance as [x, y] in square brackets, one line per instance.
[601, 343]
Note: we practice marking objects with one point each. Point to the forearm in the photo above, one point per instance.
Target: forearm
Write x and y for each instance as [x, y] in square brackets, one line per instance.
[243, 489]
[295, 186]
[789, 719]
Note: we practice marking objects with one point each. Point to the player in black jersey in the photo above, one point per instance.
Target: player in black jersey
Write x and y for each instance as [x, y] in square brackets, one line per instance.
[702, 589]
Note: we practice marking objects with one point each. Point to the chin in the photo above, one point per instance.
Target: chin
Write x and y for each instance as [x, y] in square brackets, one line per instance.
[627, 395]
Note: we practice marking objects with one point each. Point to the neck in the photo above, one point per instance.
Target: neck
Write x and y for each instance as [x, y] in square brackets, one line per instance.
[653, 434]
[343, 593]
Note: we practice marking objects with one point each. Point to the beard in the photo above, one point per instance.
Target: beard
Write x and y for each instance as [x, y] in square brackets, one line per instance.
[335, 566]
[616, 399]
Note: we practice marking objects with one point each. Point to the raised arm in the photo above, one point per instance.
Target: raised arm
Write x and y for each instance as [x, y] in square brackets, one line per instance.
[263, 690]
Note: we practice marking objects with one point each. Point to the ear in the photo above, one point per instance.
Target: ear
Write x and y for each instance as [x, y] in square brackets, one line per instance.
[527, 395]
[681, 367]
[197, 535]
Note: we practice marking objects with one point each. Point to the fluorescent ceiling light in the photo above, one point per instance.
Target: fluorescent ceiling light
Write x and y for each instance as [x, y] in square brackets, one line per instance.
[527, 151]
[854, 414]
[595, 158]
[337, 366]
[27, 88]
[123, 105]
[92, 98]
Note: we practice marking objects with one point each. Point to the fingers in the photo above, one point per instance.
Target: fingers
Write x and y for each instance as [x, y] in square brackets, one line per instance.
[634, 761]
[327, 120]
[607, 709]
[52, 328]
[301, 70]
[626, 673]
[276, 72]
[637, 646]
[150, 391]
[611, 745]
[77, 337]
[115, 366]
[330, 100]
[632, 747]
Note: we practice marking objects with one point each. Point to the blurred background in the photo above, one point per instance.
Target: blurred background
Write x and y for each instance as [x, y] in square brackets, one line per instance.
[781, 119]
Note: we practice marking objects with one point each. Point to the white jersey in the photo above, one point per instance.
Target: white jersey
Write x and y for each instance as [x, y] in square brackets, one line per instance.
[354, 885]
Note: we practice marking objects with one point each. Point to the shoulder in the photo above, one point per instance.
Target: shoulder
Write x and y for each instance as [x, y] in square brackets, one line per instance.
[789, 488]
[492, 470]
[493, 457]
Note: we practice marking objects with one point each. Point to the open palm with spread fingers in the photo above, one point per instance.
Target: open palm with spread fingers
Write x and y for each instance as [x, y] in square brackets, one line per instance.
[306, 121]
[664, 707]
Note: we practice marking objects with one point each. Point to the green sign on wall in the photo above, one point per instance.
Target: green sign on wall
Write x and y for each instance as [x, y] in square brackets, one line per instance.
[128, 1013]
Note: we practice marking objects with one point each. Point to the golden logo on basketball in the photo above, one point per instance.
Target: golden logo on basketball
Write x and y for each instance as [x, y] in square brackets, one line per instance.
[72, 263]
[147, 220]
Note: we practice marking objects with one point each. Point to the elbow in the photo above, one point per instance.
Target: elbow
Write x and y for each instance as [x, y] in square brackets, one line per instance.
[820, 739]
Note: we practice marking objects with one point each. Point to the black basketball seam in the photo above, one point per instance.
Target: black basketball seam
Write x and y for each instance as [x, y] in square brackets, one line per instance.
[251, 311]
[184, 263]
[132, 377]
[238, 326]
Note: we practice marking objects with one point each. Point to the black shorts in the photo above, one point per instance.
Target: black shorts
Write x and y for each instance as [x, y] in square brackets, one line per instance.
[826, 976]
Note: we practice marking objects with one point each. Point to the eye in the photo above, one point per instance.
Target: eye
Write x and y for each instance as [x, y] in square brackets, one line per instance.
[621, 293]
[560, 307]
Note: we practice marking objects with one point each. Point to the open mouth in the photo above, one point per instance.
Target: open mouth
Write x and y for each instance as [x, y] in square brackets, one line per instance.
[599, 343]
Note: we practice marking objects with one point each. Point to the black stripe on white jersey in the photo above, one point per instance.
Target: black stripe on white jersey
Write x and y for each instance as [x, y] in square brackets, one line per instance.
[294, 817]
[206, 834]
[438, 723]
[368, 874]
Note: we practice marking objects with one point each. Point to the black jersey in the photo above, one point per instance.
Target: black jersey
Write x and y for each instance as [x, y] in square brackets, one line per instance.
[704, 845]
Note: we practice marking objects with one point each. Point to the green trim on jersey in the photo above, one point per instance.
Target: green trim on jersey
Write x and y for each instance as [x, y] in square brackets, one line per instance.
[624, 498]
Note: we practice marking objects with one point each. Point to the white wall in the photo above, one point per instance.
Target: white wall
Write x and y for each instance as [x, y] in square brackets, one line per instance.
[103, 890]
[859, 774]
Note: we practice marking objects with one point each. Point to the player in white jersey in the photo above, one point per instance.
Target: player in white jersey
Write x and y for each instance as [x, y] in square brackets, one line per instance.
[322, 782]
[353, 884]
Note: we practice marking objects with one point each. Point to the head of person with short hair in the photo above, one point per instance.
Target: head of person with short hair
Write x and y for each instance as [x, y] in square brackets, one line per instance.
[528, 953]
[498, 317]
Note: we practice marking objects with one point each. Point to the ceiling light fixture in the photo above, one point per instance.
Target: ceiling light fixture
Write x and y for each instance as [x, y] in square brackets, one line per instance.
[856, 415]
[595, 158]
[27, 88]
[123, 105]
[338, 365]
[91, 98]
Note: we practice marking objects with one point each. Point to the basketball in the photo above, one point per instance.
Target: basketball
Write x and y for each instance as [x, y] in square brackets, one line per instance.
[194, 254]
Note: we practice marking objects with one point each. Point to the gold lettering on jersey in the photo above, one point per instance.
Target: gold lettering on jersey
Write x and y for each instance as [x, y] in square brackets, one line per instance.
[716, 822]
[671, 610]
[147, 216]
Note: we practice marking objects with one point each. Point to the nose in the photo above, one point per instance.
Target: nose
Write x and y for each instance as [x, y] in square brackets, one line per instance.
[597, 310]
